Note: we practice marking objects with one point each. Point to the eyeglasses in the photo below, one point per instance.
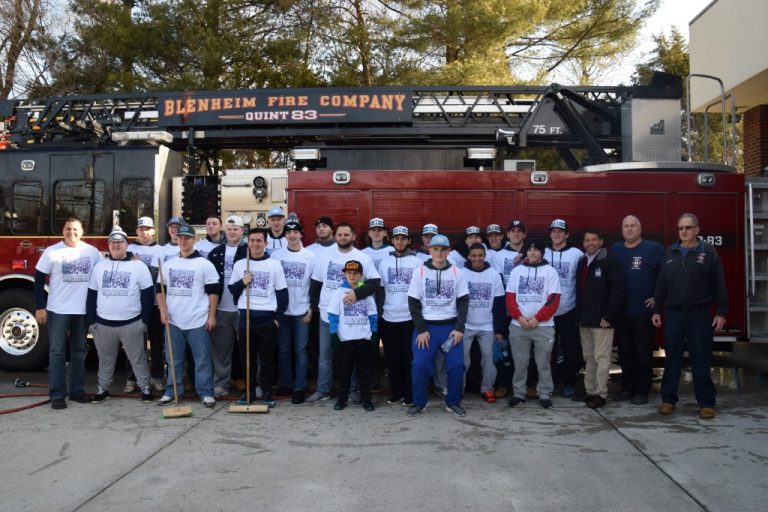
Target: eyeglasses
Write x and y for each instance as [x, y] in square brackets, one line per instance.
[685, 228]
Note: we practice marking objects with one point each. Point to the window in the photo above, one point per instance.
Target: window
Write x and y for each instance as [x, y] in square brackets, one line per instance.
[83, 199]
[135, 201]
[26, 214]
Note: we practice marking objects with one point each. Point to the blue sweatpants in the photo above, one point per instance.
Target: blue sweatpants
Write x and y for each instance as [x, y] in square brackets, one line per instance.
[423, 365]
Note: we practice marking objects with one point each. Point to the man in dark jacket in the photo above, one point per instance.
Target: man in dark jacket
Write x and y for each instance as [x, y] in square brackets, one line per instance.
[690, 282]
[599, 298]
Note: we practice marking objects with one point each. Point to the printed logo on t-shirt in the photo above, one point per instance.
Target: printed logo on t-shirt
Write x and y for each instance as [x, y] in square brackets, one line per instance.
[180, 282]
[530, 289]
[169, 256]
[564, 271]
[229, 262]
[356, 313]
[77, 270]
[509, 264]
[260, 284]
[115, 283]
[146, 259]
[334, 275]
[479, 295]
[398, 280]
[294, 272]
[439, 297]
[637, 263]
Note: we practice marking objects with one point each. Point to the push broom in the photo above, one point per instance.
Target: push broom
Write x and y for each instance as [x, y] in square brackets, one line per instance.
[248, 407]
[178, 411]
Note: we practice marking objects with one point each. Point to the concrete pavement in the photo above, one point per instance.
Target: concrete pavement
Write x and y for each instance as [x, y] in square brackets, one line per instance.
[120, 455]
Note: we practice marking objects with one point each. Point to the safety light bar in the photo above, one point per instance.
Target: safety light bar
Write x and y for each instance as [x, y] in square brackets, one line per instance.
[153, 137]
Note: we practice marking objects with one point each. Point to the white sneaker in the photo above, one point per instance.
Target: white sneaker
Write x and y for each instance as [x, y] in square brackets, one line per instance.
[209, 401]
[219, 392]
[316, 397]
[158, 384]
[130, 386]
[259, 392]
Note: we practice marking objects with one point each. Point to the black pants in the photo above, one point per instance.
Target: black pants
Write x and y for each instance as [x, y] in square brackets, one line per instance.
[636, 339]
[263, 341]
[567, 339]
[396, 337]
[357, 354]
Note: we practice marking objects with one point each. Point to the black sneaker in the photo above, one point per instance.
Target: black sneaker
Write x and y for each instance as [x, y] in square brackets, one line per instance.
[394, 400]
[415, 410]
[99, 397]
[268, 400]
[545, 403]
[456, 409]
[407, 402]
[82, 398]
[146, 395]
[298, 397]
[340, 404]
[58, 403]
[515, 401]
[368, 405]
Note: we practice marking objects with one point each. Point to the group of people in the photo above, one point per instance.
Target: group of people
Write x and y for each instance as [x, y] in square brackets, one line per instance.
[552, 306]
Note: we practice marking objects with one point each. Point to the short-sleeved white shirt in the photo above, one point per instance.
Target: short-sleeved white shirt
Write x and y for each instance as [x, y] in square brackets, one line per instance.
[119, 285]
[268, 277]
[532, 286]
[205, 246]
[438, 290]
[226, 301]
[330, 271]
[396, 274]
[483, 287]
[69, 270]
[185, 280]
[297, 267]
[148, 254]
[354, 323]
[565, 263]
[170, 251]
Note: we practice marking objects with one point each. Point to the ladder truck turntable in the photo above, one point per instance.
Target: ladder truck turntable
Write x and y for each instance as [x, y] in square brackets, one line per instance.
[450, 155]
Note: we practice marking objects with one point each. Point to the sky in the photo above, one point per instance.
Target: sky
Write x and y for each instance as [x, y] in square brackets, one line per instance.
[671, 13]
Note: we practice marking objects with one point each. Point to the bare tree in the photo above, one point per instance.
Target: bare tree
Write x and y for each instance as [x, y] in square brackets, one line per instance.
[21, 22]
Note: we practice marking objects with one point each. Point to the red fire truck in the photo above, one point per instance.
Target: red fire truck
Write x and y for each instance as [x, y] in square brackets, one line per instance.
[446, 155]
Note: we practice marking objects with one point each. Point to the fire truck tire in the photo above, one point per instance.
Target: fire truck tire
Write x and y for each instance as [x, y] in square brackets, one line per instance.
[23, 343]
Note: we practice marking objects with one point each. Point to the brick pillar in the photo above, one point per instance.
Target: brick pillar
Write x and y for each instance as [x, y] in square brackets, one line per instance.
[755, 140]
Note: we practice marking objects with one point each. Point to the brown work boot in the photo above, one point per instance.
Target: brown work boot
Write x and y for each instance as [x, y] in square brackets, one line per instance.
[666, 408]
[531, 393]
[500, 392]
[707, 413]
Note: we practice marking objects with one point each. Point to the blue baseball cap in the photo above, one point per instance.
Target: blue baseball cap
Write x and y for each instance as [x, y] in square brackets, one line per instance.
[439, 241]
[175, 220]
[275, 211]
[186, 230]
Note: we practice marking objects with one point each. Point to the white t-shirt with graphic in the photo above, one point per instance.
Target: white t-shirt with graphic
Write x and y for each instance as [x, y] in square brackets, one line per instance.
[226, 301]
[320, 250]
[504, 262]
[354, 323]
[69, 270]
[483, 287]
[377, 255]
[438, 290]
[119, 285]
[330, 271]
[170, 251]
[565, 263]
[148, 254]
[297, 267]
[532, 286]
[267, 275]
[205, 246]
[185, 280]
[273, 244]
[396, 275]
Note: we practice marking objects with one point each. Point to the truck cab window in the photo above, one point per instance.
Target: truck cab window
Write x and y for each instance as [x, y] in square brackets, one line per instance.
[83, 199]
[26, 214]
[135, 201]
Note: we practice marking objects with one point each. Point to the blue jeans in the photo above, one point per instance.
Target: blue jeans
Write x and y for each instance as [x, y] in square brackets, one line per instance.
[200, 344]
[324, 359]
[293, 337]
[58, 327]
[691, 329]
[424, 365]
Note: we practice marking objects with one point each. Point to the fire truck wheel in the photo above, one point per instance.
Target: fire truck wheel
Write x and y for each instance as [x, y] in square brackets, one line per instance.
[23, 343]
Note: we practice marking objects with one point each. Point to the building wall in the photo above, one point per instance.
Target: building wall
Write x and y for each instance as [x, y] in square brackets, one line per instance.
[755, 140]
